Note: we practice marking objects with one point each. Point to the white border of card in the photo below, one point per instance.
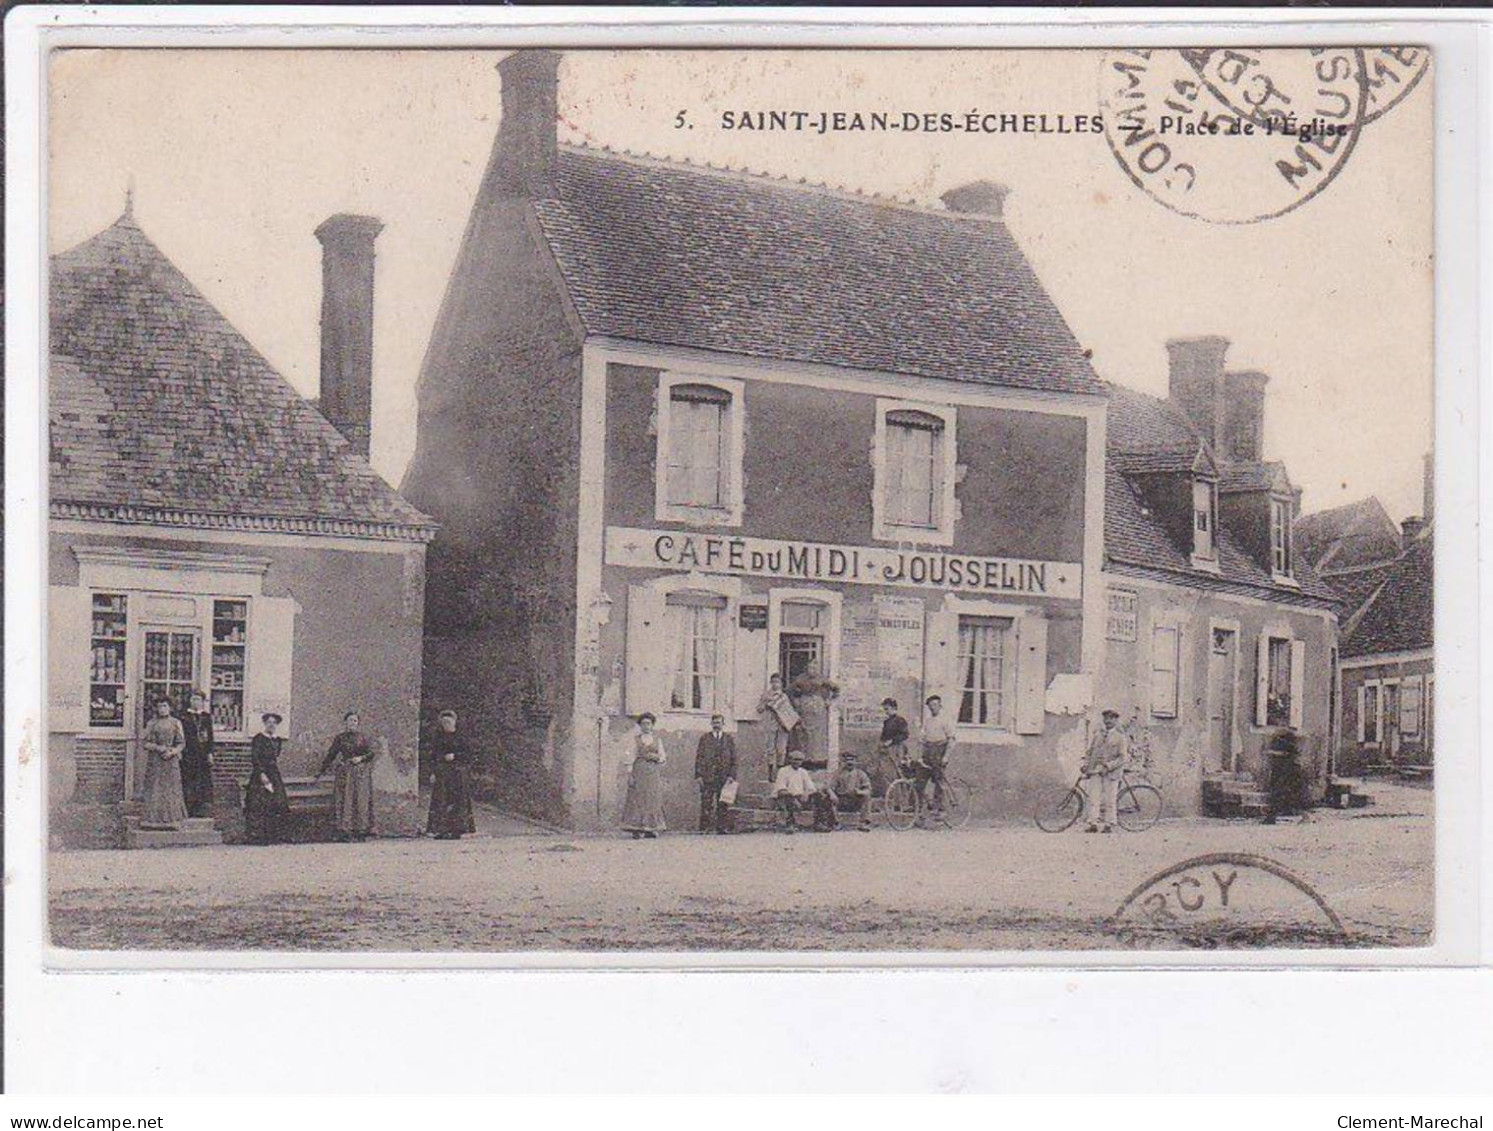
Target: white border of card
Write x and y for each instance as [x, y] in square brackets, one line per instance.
[954, 999]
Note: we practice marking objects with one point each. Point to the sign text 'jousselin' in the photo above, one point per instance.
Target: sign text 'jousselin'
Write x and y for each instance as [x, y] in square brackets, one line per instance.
[819, 561]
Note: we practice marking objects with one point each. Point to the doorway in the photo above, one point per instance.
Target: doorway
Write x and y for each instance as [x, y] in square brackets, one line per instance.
[1223, 680]
[168, 670]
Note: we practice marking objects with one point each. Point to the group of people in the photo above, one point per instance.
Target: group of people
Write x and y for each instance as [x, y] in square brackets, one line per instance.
[845, 793]
[180, 755]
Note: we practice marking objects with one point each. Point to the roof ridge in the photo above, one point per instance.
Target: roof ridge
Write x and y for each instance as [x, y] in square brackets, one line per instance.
[780, 181]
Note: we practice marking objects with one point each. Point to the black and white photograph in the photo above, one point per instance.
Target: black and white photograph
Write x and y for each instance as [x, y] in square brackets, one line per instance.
[740, 501]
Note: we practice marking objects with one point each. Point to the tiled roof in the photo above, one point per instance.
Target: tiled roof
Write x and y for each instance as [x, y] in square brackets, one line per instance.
[1399, 616]
[1356, 586]
[674, 255]
[1354, 534]
[159, 407]
[1262, 476]
[1136, 542]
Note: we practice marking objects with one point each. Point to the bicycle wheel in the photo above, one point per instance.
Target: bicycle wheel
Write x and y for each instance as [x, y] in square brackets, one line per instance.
[1057, 811]
[957, 796]
[1138, 807]
[903, 806]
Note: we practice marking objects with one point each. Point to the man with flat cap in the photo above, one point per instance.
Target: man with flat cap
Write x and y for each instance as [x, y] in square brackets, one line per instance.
[450, 783]
[1108, 752]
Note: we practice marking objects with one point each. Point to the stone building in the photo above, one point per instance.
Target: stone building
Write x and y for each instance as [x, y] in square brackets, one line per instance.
[684, 428]
[209, 529]
[1218, 633]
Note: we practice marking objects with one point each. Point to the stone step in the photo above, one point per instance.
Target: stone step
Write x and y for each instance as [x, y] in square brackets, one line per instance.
[194, 832]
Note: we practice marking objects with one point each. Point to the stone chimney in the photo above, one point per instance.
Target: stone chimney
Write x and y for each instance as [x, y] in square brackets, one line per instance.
[1244, 416]
[1410, 529]
[347, 324]
[978, 198]
[1197, 383]
[527, 130]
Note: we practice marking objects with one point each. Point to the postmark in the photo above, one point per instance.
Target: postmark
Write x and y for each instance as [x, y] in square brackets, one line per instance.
[1233, 135]
[1226, 900]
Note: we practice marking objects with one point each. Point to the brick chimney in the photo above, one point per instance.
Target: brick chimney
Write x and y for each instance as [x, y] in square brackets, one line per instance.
[1244, 416]
[1197, 383]
[1410, 529]
[527, 130]
[978, 198]
[347, 324]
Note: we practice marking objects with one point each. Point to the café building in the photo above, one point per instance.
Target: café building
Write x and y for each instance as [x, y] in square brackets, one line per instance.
[684, 428]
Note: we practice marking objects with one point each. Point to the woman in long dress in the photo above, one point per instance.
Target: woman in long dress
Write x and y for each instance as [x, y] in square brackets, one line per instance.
[164, 741]
[265, 803]
[450, 790]
[643, 808]
[352, 794]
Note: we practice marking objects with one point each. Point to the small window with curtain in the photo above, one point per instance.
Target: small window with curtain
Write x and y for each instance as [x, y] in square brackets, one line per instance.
[986, 671]
[1165, 671]
[697, 450]
[695, 629]
[1204, 519]
[1278, 701]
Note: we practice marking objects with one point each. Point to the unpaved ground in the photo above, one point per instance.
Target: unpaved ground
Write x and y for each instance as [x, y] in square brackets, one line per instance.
[1004, 887]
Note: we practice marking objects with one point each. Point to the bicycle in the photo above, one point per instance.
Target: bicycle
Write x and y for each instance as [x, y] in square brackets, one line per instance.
[1138, 806]
[904, 804]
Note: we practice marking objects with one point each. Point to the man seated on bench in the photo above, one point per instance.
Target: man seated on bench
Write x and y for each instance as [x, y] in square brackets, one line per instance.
[793, 790]
[849, 791]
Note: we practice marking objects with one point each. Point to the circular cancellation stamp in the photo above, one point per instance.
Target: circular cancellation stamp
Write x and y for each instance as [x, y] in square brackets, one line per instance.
[1235, 136]
[1227, 899]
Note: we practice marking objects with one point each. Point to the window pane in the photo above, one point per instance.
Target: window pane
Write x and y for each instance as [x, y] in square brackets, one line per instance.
[1410, 709]
[1278, 705]
[983, 670]
[696, 436]
[1371, 714]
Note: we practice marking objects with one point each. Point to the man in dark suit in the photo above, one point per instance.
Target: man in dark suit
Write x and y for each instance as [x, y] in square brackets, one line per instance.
[715, 765]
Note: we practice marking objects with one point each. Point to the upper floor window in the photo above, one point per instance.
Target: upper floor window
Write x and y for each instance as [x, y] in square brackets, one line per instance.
[1280, 537]
[699, 451]
[1204, 519]
[915, 468]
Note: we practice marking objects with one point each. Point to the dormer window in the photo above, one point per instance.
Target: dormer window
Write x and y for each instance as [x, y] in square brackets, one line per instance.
[1204, 520]
[1280, 538]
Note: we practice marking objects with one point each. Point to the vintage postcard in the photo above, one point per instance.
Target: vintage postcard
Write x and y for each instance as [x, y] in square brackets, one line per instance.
[905, 501]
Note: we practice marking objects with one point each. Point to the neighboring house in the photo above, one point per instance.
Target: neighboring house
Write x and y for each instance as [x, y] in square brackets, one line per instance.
[1387, 672]
[1348, 537]
[210, 529]
[684, 428]
[1219, 635]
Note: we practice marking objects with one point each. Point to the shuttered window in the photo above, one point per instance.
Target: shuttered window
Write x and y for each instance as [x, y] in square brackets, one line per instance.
[697, 446]
[914, 466]
[1165, 671]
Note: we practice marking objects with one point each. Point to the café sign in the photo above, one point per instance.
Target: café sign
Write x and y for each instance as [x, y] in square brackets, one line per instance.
[857, 565]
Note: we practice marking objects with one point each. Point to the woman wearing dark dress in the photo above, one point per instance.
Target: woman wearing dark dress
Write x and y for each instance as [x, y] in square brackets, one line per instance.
[197, 758]
[265, 803]
[451, 792]
[352, 796]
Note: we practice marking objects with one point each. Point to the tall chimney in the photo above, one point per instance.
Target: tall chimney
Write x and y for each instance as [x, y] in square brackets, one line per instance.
[527, 131]
[1196, 384]
[347, 324]
[978, 198]
[1244, 416]
[1428, 486]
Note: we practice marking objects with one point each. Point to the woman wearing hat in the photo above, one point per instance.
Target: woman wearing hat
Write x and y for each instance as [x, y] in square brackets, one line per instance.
[450, 789]
[643, 808]
[265, 803]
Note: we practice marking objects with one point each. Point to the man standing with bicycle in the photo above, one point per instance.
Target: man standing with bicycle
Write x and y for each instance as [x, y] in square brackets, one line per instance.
[938, 741]
[1105, 759]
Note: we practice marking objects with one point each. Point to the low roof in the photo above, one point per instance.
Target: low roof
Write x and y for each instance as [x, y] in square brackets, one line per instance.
[1400, 615]
[674, 255]
[162, 412]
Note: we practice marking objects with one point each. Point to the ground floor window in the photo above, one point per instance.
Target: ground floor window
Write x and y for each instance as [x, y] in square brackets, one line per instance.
[986, 671]
[106, 682]
[695, 623]
[1165, 670]
[1410, 708]
[1278, 702]
[1368, 722]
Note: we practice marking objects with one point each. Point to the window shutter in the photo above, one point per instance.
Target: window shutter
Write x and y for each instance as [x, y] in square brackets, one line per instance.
[941, 658]
[69, 626]
[1360, 712]
[271, 653]
[649, 651]
[1031, 675]
[1298, 681]
[892, 506]
[1262, 679]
